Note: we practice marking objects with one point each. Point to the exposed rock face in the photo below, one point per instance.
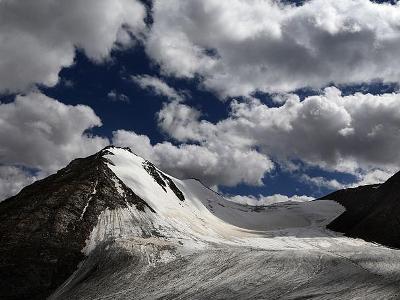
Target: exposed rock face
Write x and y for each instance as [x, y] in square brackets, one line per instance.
[372, 212]
[45, 227]
[162, 179]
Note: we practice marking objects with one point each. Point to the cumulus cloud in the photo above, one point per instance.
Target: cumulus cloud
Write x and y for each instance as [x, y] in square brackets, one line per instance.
[39, 38]
[267, 200]
[180, 121]
[336, 132]
[158, 86]
[375, 176]
[370, 176]
[355, 134]
[233, 47]
[41, 133]
[12, 180]
[213, 164]
[140, 144]
[238, 47]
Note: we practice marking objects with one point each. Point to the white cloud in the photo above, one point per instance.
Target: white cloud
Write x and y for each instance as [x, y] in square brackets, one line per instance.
[38, 38]
[140, 144]
[180, 121]
[213, 164]
[355, 134]
[39, 132]
[319, 181]
[233, 47]
[267, 200]
[12, 180]
[375, 176]
[43, 134]
[158, 86]
[240, 46]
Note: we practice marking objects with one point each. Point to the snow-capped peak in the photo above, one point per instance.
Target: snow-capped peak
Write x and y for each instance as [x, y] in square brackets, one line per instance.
[123, 229]
[189, 213]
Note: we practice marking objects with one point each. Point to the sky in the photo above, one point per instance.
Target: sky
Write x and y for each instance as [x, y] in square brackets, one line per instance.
[261, 100]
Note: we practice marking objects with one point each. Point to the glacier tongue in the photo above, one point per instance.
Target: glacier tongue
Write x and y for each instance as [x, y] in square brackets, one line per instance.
[198, 245]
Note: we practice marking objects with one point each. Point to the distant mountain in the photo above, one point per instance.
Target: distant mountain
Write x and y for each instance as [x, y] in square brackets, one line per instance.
[114, 226]
[372, 212]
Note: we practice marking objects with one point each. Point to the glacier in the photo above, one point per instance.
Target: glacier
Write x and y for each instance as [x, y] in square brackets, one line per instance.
[198, 245]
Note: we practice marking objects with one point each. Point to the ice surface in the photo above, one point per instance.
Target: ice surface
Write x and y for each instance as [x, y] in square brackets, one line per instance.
[208, 247]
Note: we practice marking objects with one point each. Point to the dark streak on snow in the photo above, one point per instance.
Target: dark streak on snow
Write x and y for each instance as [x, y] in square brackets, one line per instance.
[163, 180]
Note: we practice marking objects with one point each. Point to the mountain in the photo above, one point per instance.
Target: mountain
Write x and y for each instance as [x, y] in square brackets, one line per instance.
[113, 226]
[372, 212]
[44, 227]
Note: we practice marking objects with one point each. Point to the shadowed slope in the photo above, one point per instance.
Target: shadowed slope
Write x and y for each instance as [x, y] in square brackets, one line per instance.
[372, 212]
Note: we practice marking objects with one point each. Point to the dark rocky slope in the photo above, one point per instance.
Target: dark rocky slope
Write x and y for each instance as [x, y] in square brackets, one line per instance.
[44, 228]
[372, 212]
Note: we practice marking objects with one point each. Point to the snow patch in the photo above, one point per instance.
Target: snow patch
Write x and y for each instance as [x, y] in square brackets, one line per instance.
[118, 186]
[89, 199]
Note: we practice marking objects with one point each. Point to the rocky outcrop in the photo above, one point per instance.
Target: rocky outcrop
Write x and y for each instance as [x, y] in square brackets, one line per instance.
[162, 179]
[45, 227]
[372, 212]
